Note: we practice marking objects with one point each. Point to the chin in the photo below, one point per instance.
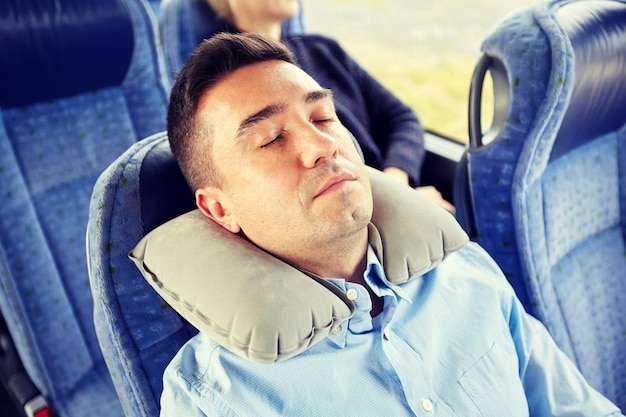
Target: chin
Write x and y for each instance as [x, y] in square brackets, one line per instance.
[362, 218]
[357, 218]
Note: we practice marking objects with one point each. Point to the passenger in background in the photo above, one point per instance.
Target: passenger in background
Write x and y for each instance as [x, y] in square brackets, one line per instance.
[388, 131]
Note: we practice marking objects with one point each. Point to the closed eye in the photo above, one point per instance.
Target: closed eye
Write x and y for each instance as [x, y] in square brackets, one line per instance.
[323, 122]
[271, 142]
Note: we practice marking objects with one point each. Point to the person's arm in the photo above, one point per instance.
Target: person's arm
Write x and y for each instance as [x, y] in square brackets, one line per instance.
[393, 125]
[397, 174]
[553, 384]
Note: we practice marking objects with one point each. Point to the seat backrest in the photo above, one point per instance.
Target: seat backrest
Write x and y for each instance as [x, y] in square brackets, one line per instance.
[139, 333]
[79, 82]
[183, 24]
[548, 191]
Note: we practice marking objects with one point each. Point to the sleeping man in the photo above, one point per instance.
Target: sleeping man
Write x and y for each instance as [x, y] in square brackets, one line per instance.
[260, 144]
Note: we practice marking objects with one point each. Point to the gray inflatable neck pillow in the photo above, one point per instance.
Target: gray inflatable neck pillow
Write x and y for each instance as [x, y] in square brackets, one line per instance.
[263, 309]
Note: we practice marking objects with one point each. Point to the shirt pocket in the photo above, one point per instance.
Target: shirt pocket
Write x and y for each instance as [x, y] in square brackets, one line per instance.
[493, 382]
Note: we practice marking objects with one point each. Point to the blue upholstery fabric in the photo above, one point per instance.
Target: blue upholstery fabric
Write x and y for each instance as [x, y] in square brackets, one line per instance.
[492, 167]
[139, 332]
[184, 24]
[83, 82]
[548, 192]
[24, 26]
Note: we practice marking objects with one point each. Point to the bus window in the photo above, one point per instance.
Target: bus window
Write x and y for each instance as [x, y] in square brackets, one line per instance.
[425, 52]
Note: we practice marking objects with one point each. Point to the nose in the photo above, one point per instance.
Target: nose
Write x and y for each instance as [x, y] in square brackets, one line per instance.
[315, 146]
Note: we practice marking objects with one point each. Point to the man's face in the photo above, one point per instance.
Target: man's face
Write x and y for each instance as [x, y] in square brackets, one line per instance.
[291, 177]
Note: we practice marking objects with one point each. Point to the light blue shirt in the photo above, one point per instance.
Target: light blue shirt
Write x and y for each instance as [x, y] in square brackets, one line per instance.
[453, 342]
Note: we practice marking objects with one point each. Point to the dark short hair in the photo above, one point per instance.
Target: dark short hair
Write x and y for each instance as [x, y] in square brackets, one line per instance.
[213, 59]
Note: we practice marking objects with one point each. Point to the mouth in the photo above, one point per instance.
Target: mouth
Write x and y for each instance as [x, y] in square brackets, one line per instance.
[334, 183]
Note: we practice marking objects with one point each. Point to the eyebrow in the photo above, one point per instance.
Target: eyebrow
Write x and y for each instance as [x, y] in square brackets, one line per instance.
[318, 95]
[273, 109]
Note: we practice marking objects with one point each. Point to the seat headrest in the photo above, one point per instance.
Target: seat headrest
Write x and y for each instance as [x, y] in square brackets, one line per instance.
[51, 49]
[597, 32]
[164, 191]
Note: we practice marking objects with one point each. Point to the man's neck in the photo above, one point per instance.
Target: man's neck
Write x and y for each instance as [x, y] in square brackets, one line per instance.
[354, 272]
[346, 258]
[348, 263]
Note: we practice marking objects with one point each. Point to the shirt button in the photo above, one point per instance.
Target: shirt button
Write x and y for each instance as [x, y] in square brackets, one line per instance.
[352, 294]
[427, 405]
[336, 330]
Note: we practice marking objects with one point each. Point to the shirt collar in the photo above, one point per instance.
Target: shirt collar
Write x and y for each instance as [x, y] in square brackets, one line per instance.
[374, 276]
[375, 273]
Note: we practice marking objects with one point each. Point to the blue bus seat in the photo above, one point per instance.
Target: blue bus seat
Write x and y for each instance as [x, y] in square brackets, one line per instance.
[183, 24]
[79, 82]
[139, 333]
[546, 184]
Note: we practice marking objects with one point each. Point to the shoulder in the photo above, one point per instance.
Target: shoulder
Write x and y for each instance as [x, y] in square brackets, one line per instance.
[192, 360]
[185, 389]
[471, 259]
[476, 258]
[473, 271]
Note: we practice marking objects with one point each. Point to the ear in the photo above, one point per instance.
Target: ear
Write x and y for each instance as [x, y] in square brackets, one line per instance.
[214, 204]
